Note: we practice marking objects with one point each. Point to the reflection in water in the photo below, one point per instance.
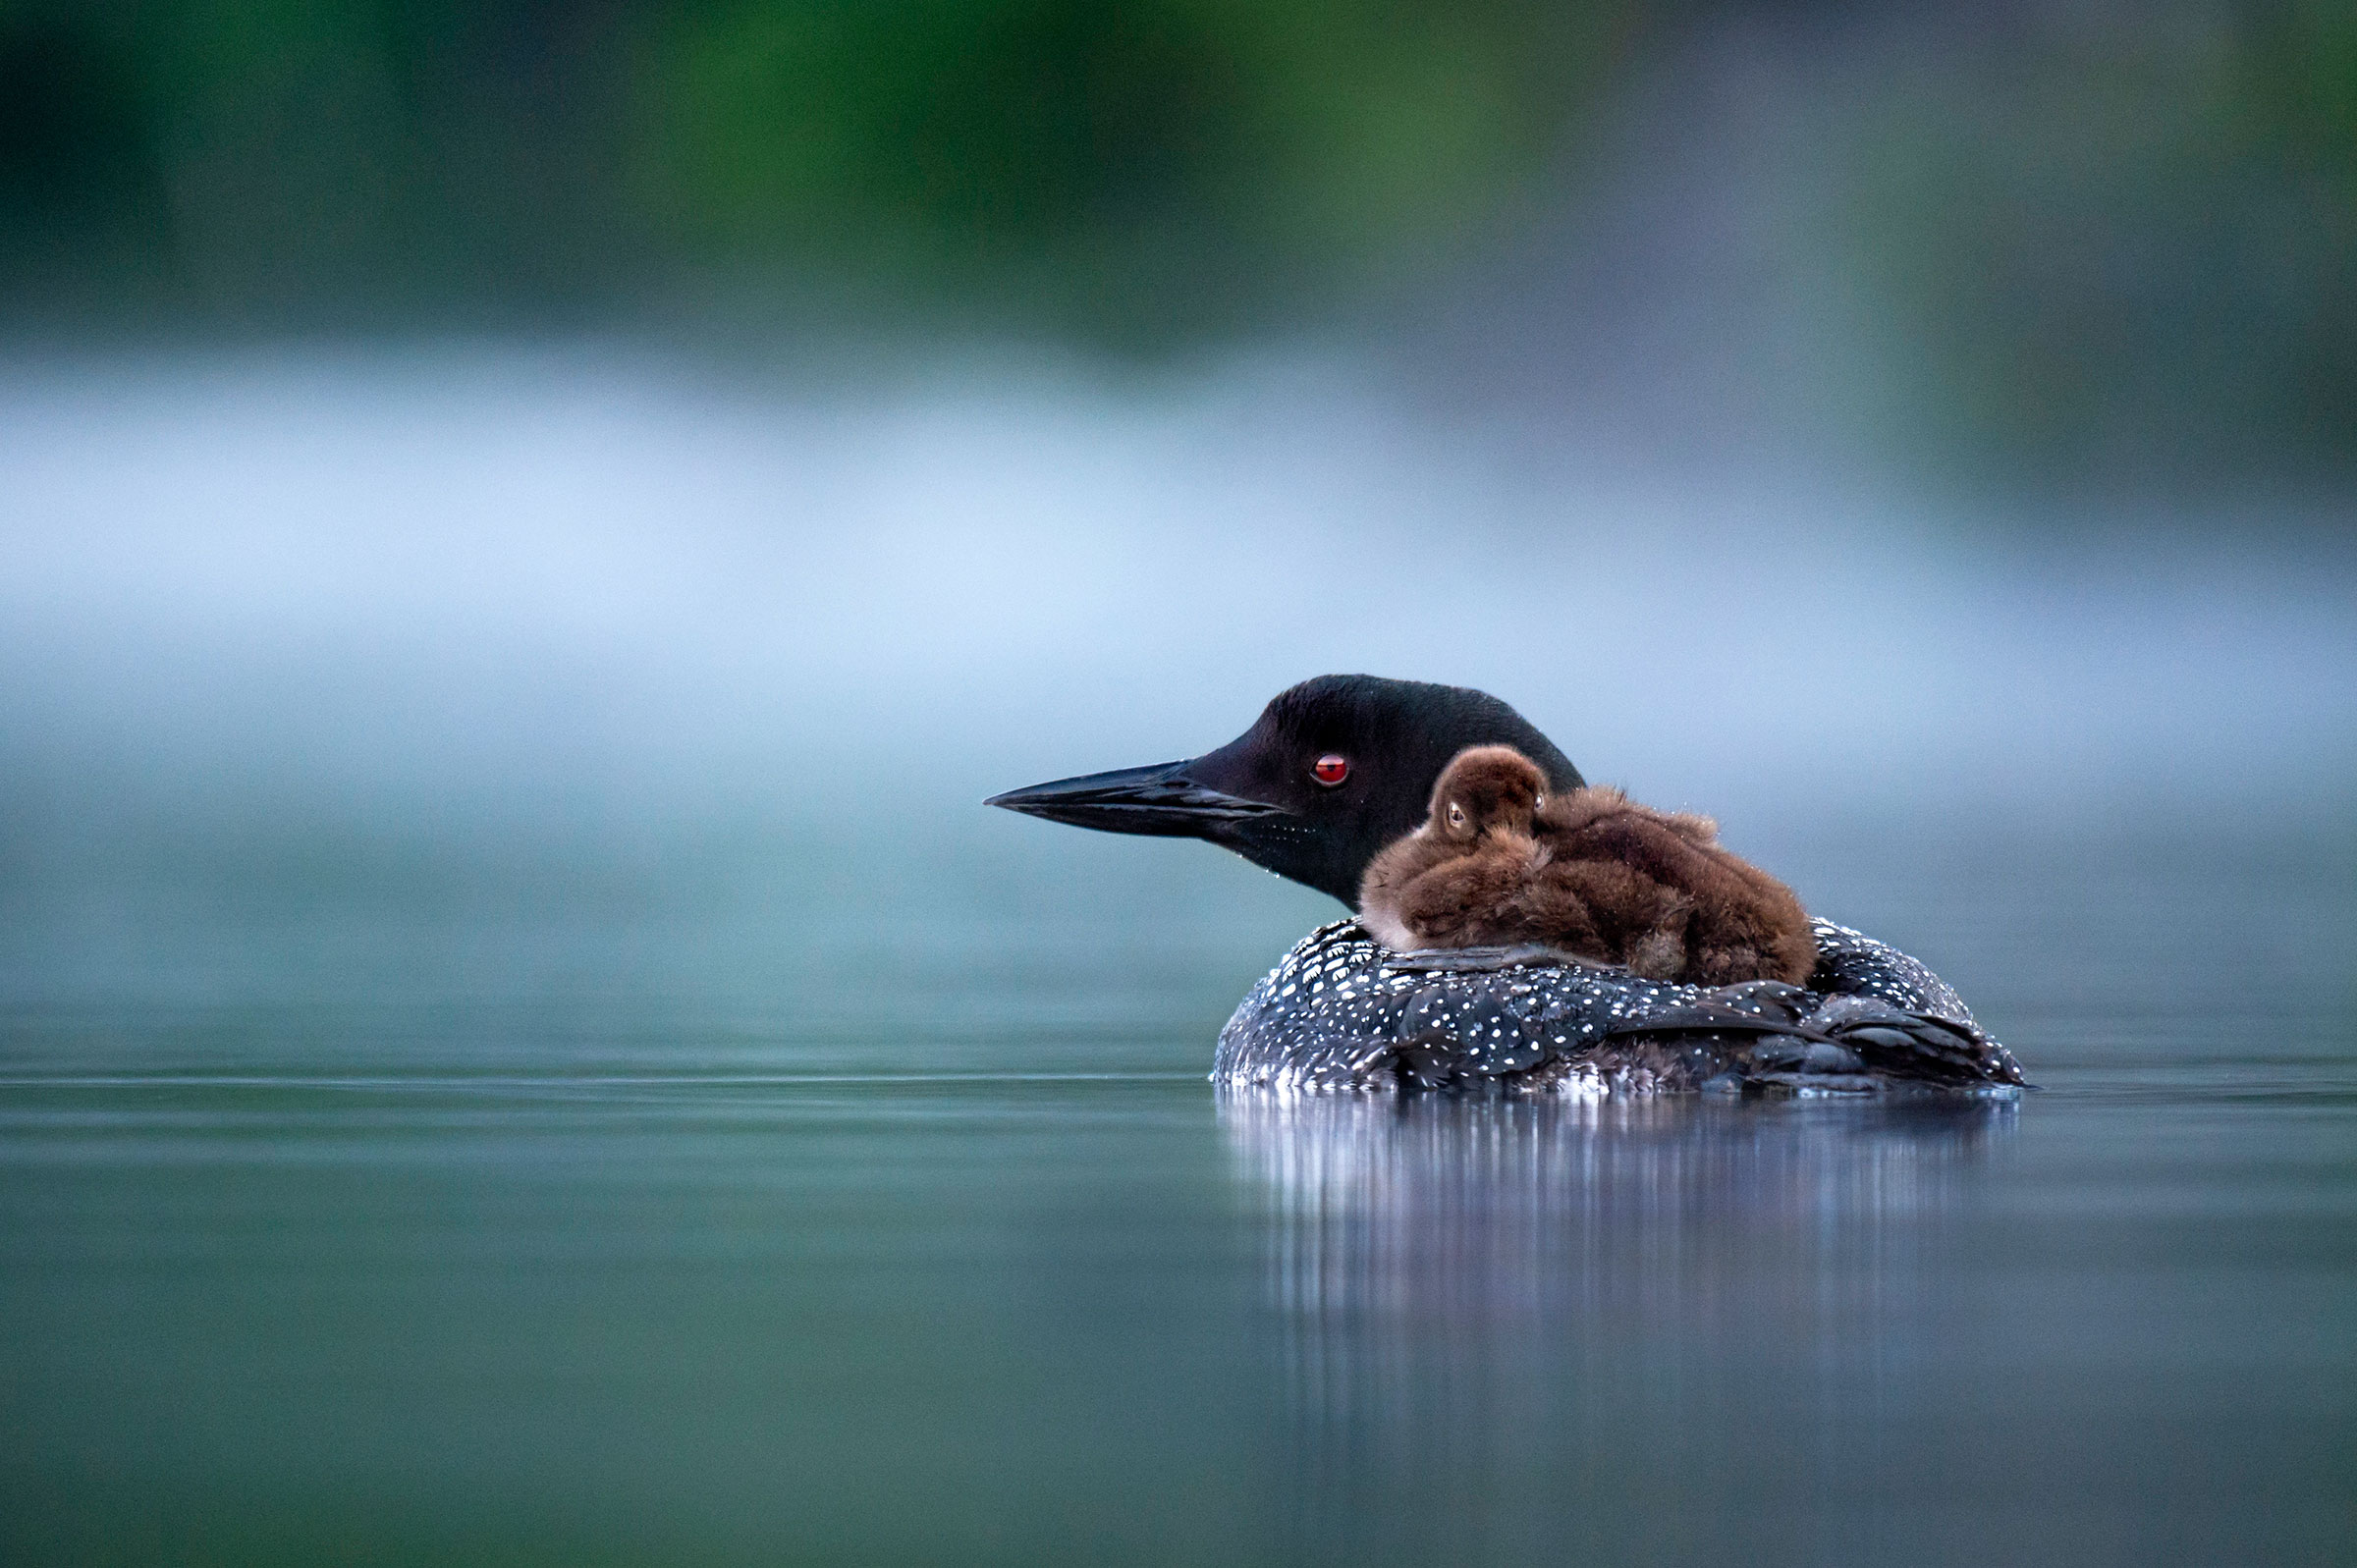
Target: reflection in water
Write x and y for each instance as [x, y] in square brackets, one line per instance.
[1502, 1304]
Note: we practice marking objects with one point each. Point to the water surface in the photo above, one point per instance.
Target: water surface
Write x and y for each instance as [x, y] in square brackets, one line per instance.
[842, 1260]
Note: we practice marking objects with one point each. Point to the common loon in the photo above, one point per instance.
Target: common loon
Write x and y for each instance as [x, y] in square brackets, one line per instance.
[1500, 860]
[1340, 766]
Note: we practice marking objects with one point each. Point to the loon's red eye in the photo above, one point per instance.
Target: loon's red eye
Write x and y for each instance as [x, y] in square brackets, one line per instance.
[1330, 769]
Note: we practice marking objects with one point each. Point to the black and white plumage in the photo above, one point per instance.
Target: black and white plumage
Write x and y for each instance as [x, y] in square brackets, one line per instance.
[1341, 1011]
[1338, 767]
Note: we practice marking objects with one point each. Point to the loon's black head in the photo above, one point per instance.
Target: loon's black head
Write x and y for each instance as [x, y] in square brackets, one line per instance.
[1335, 769]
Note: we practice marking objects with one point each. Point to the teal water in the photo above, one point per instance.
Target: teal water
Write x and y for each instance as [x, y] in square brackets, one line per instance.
[423, 1230]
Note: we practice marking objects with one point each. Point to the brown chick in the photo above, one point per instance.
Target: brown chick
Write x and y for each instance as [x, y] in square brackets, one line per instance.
[1500, 860]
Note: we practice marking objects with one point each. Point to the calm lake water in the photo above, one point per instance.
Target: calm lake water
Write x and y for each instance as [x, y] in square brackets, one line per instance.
[413, 1234]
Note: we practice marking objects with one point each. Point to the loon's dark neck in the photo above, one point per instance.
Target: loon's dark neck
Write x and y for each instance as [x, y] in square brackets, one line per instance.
[1271, 794]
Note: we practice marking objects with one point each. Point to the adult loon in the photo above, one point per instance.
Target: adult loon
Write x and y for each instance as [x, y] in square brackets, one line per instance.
[1338, 767]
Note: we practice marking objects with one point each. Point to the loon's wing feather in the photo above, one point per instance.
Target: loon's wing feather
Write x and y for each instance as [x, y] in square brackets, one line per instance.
[1483, 960]
[1342, 1012]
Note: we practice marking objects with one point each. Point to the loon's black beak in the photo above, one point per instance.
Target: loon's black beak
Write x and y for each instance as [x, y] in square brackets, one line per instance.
[1161, 800]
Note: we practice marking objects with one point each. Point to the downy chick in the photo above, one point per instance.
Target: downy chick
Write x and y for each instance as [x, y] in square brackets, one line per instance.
[1502, 860]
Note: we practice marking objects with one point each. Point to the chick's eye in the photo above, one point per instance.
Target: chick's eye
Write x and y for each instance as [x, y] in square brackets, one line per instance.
[1331, 768]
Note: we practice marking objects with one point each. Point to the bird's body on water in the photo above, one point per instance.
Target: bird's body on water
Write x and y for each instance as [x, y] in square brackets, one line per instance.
[1339, 768]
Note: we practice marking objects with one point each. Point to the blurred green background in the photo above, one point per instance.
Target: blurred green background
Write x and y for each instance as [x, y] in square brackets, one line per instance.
[2046, 240]
[1141, 170]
